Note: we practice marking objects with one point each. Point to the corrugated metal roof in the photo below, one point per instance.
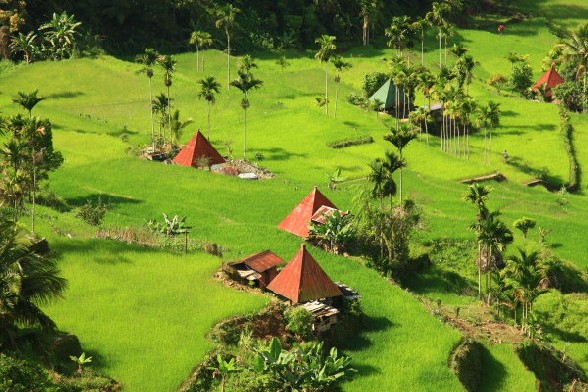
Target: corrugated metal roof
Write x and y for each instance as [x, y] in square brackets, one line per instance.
[196, 148]
[298, 220]
[262, 261]
[304, 280]
[324, 212]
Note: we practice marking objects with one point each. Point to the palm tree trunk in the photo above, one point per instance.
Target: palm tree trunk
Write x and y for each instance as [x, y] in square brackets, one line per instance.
[197, 60]
[426, 129]
[480, 271]
[400, 181]
[422, 46]
[326, 87]
[152, 119]
[228, 59]
[336, 98]
[34, 194]
[440, 49]
[245, 138]
[208, 121]
[168, 114]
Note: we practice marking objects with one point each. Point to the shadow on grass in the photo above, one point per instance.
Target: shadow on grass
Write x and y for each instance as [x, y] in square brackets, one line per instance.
[104, 198]
[493, 373]
[124, 131]
[279, 154]
[437, 280]
[371, 324]
[553, 182]
[100, 251]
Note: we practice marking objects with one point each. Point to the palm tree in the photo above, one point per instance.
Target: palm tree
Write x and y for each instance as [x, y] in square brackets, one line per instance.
[246, 64]
[25, 44]
[400, 137]
[27, 280]
[369, 12]
[488, 117]
[209, 87]
[399, 33]
[28, 101]
[421, 25]
[245, 83]
[160, 105]
[168, 64]
[149, 59]
[463, 70]
[227, 18]
[200, 39]
[283, 63]
[60, 33]
[326, 50]
[576, 49]
[178, 126]
[420, 117]
[436, 17]
[340, 65]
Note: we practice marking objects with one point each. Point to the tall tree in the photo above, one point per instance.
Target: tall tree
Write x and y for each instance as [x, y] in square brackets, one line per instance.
[245, 83]
[399, 33]
[28, 101]
[200, 39]
[326, 50]
[226, 18]
[488, 117]
[437, 18]
[209, 87]
[149, 59]
[400, 137]
[576, 49]
[159, 106]
[168, 64]
[370, 11]
[340, 65]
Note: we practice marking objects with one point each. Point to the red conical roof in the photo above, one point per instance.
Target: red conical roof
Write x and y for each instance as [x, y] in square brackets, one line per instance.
[551, 78]
[298, 220]
[196, 148]
[304, 280]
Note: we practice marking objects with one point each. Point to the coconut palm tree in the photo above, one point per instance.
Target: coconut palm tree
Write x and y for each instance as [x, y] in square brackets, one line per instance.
[149, 59]
[209, 87]
[488, 117]
[28, 101]
[178, 126]
[226, 18]
[25, 44]
[340, 65]
[370, 11]
[168, 64]
[200, 39]
[159, 106]
[27, 281]
[326, 50]
[576, 49]
[245, 83]
[400, 137]
[60, 33]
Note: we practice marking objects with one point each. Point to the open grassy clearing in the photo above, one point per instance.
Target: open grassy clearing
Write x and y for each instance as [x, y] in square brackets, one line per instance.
[92, 101]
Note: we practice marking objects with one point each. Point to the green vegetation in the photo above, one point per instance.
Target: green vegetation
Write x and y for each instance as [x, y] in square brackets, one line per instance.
[172, 299]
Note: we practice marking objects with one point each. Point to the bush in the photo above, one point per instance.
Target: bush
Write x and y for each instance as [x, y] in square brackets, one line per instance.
[21, 376]
[356, 100]
[522, 77]
[570, 95]
[372, 82]
[352, 142]
[299, 321]
[498, 82]
[567, 134]
[93, 213]
[552, 369]
[524, 225]
[466, 362]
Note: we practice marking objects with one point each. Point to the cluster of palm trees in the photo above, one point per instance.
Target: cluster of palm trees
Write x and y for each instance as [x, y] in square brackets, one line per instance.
[326, 54]
[55, 40]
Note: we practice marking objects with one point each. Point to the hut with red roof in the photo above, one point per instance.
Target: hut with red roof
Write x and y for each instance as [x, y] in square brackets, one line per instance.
[260, 267]
[303, 280]
[298, 221]
[551, 79]
[198, 148]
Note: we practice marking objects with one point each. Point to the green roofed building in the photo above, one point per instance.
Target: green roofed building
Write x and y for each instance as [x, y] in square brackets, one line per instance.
[387, 94]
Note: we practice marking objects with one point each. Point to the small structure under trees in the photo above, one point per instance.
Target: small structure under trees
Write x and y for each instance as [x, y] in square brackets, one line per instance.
[197, 150]
[550, 80]
[392, 96]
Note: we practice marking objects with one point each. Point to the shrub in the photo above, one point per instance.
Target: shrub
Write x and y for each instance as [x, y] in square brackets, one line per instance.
[372, 82]
[299, 321]
[466, 362]
[524, 225]
[522, 77]
[498, 82]
[567, 134]
[203, 162]
[356, 100]
[570, 95]
[352, 142]
[93, 213]
[21, 376]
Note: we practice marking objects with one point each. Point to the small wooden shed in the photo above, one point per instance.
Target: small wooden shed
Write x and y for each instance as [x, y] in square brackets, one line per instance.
[260, 267]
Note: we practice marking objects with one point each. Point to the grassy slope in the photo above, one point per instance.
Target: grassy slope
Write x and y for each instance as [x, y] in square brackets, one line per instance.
[93, 100]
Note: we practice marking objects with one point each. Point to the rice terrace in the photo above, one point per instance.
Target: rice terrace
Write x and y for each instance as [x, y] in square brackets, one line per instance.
[354, 195]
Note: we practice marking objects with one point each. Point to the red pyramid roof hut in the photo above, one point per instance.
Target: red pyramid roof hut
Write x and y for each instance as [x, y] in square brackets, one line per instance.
[198, 147]
[298, 220]
[551, 79]
[304, 280]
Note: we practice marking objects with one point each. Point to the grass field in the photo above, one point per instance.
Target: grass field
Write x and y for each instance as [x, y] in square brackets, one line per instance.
[136, 309]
